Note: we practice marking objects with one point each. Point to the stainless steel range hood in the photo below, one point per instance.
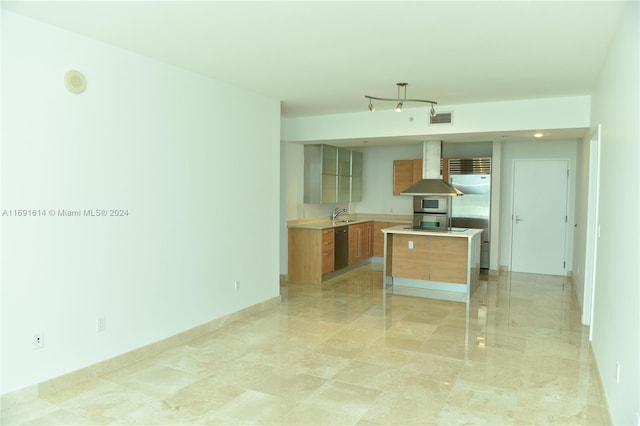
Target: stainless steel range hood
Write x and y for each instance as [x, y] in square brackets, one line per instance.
[431, 184]
[431, 187]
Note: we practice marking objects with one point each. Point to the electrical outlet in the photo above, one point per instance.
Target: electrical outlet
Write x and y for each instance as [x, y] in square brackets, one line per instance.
[410, 244]
[101, 324]
[237, 285]
[38, 340]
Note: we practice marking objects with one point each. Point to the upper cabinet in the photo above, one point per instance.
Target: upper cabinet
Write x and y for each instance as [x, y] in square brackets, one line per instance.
[405, 174]
[328, 156]
[329, 174]
[356, 176]
[344, 162]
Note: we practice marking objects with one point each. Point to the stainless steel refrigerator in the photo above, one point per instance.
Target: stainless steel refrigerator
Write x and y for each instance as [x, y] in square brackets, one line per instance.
[472, 176]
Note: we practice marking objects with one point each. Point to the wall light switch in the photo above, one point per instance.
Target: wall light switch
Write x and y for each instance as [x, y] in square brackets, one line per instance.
[410, 244]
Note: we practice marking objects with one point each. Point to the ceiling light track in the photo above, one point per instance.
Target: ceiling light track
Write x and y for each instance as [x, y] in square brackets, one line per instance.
[400, 101]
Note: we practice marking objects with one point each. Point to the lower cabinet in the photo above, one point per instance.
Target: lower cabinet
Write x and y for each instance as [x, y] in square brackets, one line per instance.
[431, 258]
[378, 236]
[328, 245]
[360, 242]
[449, 259]
[311, 254]
[369, 238]
[312, 251]
[357, 243]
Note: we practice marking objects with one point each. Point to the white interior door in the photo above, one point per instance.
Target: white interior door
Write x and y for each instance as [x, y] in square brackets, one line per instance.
[539, 216]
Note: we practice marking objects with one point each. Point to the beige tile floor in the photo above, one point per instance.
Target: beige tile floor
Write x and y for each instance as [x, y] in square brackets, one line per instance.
[347, 353]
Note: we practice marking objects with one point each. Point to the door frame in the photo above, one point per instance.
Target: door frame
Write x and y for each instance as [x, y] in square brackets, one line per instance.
[567, 204]
[592, 226]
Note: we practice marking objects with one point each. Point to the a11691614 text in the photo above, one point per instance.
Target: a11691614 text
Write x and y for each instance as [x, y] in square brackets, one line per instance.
[65, 213]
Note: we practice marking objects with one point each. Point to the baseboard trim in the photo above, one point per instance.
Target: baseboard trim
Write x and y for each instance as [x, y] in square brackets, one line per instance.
[596, 373]
[56, 384]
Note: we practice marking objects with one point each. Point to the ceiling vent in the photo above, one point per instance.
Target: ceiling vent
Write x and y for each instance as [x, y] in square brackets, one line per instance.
[442, 118]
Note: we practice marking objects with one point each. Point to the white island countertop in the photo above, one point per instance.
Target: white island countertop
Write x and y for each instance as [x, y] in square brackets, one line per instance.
[450, 232]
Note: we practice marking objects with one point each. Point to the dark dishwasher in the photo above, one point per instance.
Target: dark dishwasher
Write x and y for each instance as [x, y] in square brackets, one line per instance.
[341, 248]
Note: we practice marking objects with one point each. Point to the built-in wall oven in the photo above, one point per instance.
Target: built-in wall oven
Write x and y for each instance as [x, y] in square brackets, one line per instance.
[431, 211]
[430, 220]
[438, 204]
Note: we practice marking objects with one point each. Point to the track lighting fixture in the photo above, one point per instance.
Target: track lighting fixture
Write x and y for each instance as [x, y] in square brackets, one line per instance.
[401, 101]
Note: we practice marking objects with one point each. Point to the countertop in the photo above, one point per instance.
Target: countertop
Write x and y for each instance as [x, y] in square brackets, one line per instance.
[455, 232]
[344, 220]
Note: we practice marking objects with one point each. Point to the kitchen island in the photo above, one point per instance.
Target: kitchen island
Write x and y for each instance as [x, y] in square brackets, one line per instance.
[441, 264]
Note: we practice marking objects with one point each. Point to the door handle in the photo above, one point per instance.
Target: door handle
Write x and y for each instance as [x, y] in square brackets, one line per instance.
[518, 220]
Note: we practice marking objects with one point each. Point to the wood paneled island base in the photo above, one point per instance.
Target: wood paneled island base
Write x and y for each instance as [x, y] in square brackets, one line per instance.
[437, 264]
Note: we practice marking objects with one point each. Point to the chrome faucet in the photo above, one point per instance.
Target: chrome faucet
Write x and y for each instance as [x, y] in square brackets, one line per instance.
[336, 212]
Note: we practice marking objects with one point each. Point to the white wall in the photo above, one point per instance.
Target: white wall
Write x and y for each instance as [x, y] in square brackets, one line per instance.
[530, 114]
[156, 140]
[616, 322]
[377, 176]
[565, 149]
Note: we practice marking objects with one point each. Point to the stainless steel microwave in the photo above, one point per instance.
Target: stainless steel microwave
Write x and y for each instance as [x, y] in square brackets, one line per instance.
[431, 204]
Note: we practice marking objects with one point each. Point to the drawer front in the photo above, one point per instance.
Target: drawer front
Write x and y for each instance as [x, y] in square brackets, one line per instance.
[327, 261]
[327, 250]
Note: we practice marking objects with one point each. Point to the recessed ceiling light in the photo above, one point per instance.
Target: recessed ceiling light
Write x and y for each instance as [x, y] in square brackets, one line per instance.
[538, 135]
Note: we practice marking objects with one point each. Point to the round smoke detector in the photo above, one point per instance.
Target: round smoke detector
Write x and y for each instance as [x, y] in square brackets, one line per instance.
[75, 82]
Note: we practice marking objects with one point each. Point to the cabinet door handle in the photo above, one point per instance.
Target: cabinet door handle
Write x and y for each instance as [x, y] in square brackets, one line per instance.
[359, 232]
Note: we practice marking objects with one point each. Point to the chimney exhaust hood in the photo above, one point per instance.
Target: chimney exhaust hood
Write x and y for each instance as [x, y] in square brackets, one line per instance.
[431, 184]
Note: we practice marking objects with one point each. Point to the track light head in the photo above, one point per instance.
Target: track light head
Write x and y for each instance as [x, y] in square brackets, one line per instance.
[433, 111]
[371, 107]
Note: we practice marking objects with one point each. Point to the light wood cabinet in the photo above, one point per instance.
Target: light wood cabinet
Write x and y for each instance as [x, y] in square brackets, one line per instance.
[369, 239]
[410, 257]
[432, 258]
[405, 174]
[328, 258]
[449, 259]
[378, 236]
[360, 242]
[356, 243]
[311, 254]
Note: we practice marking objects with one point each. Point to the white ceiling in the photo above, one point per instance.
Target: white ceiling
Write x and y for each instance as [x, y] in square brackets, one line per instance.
[322, 57]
